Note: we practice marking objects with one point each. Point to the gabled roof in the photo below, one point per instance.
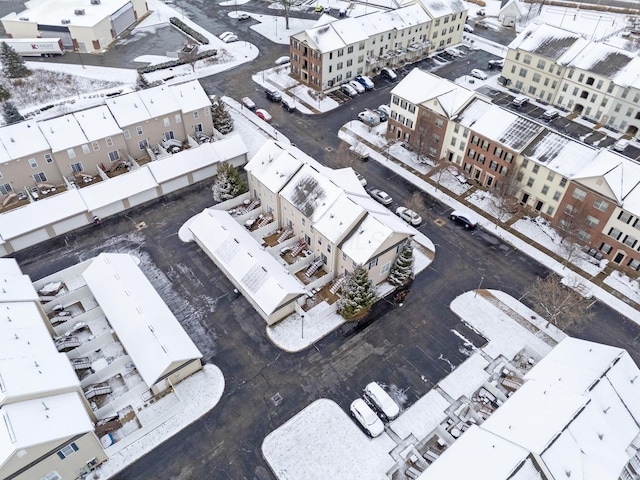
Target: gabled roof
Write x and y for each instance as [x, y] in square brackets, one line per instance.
[97, 123]
[159, 101]
[546, 41]
[190, 96]
[128, 109]
[273, 166]
[602, 59]
[559, 153]
[21, 140]
[339, 219]
[63, 132]
[147, 329]
[232, 247]
[22, 329]
[441, 8]
[31, 423]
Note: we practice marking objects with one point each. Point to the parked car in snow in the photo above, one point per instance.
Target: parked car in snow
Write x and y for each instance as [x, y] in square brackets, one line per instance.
[381, 400]
[495, 64]
[248, 103]
[361, 179]
[283, 61]
[357, 86]
[366, 417]
[621, 145]
[409, 216]
[289, 104]
[466, 219]
[224, 35]
[273, 94]
[366, 82]
[380, 196]
[230, 38]
[477, 73]
[264, 115]
[386, 109]
[349, 90]
[467, 28]
[388, 73]
[244, 16]
[370, 118]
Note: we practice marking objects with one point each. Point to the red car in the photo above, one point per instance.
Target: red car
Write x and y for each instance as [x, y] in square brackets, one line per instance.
[264, 115]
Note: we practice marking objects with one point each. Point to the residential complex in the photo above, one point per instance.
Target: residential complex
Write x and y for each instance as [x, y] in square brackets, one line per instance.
[288, 243]
[85, 26]
[83, 352]
[592, 79]
[337, 50]
[588, 194]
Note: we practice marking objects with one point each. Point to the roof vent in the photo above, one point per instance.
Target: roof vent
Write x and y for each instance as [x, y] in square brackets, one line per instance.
[65, 21]
[45, 406]
[78, 11]
[13, 140]
[24, 19]
[95, 2]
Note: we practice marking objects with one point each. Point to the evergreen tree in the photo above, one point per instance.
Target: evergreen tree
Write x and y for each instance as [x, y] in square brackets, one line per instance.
[142, 82]
[228, 183]
[4, 93]
[222, 120]
[10, 113]
[402, 269]
[12, 64]
[358, 294]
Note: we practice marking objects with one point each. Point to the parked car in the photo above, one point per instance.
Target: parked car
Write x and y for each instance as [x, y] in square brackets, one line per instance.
[620, 145]
[386, 109]
[409, 216]
[244, 16]
[467, 220]
[223, 35]
[481, 12]
[366, 417]
[366, 82]
[348, 90]
[357, 86]
[380, 196]
[454, 52]
[383, 116]
[495, 64]
[230, 38]
[360, 152]
[289, 104]
[361, 179]
[467, 28]
[381, 400]
[319, 8]
[370, 118]
[551, 114]
[520, 101]
[273, 94]
[264, 115]
[388, 73]
[248, 103]
[477, 73]
[283, 60]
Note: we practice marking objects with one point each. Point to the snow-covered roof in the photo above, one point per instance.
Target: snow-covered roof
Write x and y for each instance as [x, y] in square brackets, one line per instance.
[97, 123]
[339, 219]
[9, 266]
[33, 216]
[22, 139]
[602, 59]
[365, 239]
[41, 374]
[419, 87]
[273, 166]
[477, 454]
[346, 179]
[261, 276]
[467, 378]
[159, 101]
[24, 423]
[190, 96]
[558, 152]
[441, 8]
[422, 417]
[22, 330]
[128, 109]
[146, 327]
[118, 188]
[535, 414]
[311, 192]
[473, 112]
[546, 41]
[51, 12]
[504, 127]
[17, 288]
[193, 159]
[63, 132]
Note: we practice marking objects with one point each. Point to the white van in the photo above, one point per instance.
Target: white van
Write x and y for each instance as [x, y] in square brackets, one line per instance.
[520, 100]
[370, 118]
[551, 114]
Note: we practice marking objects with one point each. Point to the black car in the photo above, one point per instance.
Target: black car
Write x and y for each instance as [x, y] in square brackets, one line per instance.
[289, 105]
[273, 94]
[495, 64]
[381, 114]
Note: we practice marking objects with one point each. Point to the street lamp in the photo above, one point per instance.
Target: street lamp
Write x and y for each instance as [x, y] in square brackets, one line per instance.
[351, 116]
[479, 285]
[302, 323]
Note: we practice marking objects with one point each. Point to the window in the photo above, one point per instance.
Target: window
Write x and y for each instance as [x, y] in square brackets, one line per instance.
[630, 241]
[550, 210]
[52, 476]
[541, 64]
[556, 196]
[143, 144]
[606, 248]
[303, 223]
[530, 182]
[329, 247]
[95, 146]
[439, 122]
[545, 189]
[166, 122]
[127, 134]
[536, 77]
[497, 152]
[615, 233]
[592, 221]
[570, 210]
[522, 72]
[584, 236]
[40, 177]
[624, 216]
[48, 158]
[5, 188]
[535, 168]
[579, 194]
[350, 49]
[551, 176]
[385, 268]
[527, 60]
[71, 153]
[114, 156]
[563, 182]
[344, 256]
[373, 263]
[319, 241]
[178, 118]
[77, 167]
[196, 115]
[197, 127]
[64, 452]
[85, 149]
[481, 159]
[33, 163]
[601, 205]
[525, 163]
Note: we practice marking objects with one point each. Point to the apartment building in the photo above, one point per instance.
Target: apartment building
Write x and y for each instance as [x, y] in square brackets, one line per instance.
[48, 153]
[422, 106]
[309, 226]
[88, 27]
[496, 138]
[592, 79]
[337, 50]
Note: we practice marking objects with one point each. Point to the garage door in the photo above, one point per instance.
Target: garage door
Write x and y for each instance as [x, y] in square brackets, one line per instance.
[29, 239]
[108, 210]
[205, 173]
[54, 31]
[70, 224]
[175, 184]
[142, 197]
[123, 19]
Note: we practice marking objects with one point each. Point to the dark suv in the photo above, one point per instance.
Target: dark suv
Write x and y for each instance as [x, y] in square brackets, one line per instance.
[273, 94]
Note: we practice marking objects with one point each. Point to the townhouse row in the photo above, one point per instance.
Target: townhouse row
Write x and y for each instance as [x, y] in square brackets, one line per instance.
[594, 80]
[337, 50]
[590, 195]
[71, 147]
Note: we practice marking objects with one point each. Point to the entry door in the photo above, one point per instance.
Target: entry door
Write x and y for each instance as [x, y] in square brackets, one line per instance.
[525, 199]
[538, 206]
[619, 257]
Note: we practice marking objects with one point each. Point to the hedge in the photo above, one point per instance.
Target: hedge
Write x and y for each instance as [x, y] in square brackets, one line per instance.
[189, 31]
[175, 63]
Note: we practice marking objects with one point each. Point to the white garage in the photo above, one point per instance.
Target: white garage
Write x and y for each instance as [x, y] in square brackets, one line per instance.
[69, 224]
[123, 18]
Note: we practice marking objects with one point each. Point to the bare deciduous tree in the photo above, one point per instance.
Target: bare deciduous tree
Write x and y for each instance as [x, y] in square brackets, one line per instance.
[570, 228]
[561, 305]
[286, 9]
[416, 203]
[504, 195]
